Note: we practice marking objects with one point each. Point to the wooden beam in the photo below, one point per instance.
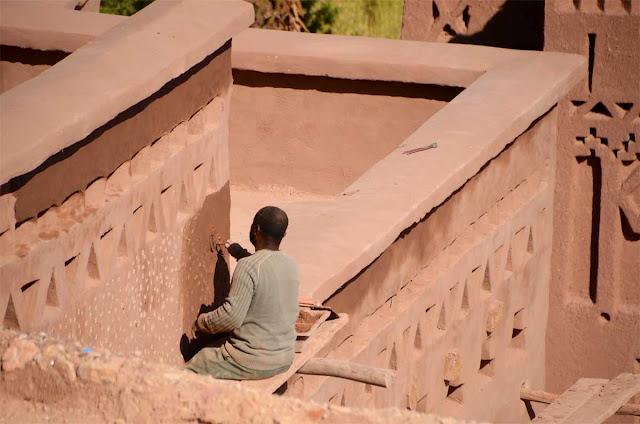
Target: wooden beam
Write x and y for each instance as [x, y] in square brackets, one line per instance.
[614, 394]
[572, 399]
[541, 396]
[588, 401]
[351, 371]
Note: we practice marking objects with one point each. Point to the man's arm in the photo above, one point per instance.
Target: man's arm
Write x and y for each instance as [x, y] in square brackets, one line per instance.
[237, 251]
[231, 314]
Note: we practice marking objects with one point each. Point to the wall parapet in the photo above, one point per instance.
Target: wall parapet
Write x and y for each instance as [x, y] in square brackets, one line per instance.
[110, 194]
[399, 190]
[49, 27]
[365, 58]
[80, 93]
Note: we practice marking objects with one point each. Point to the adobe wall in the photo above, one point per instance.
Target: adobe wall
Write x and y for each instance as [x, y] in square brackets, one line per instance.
[512, 24]
[18, 65]
[447, 251]
[107, 240]
[595, 291]
[107, 147]
[595, 297]
[37, 34]
[457, 305]
[318, 134]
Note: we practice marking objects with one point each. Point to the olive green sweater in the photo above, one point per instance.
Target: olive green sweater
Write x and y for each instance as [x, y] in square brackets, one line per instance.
[260, 311]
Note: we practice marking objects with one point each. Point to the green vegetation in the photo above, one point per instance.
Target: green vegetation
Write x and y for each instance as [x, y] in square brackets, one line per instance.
[122, 7]
[373, 18]
[319, 15]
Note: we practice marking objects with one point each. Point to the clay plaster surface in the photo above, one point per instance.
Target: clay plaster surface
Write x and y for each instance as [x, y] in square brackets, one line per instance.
[595, 295]
[165, 28]
[364, 58]
[464, 146]
[46, 26]
[387, 191]
[126, 264]
[109, 146]
[501, 23]
[379, 210]
[465, 291]
[320, 134]
[15, 73]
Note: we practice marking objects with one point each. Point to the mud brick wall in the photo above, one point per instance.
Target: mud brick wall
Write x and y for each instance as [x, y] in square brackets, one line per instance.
[18, 65]
[595, 290]
[513, 24]
[325, 132]
[124, 263]
[458, 304]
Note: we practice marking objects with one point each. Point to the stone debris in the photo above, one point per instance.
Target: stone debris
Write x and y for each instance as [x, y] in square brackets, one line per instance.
[132, 390]
[98, 371]
[20, 352]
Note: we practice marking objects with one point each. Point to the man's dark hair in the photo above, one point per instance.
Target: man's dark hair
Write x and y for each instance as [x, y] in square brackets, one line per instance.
[273, 222]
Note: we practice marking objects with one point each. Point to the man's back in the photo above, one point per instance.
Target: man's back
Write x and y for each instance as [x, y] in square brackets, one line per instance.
[266, 338]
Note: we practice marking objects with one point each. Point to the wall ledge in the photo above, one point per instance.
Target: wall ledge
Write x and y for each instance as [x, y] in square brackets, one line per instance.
[117, 70]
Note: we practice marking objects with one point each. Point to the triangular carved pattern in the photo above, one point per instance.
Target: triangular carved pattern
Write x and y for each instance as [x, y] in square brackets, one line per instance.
[449, 18]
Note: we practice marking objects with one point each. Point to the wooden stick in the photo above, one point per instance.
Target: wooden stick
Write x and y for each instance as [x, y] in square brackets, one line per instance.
[348, 370]
[545, 397]
[420, 149]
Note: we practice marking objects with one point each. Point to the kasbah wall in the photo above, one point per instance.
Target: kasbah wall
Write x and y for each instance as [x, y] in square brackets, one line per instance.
[594, 321]
[125, 218]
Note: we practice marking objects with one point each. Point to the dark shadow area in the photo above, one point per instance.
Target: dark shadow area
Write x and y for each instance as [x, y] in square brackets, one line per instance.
[221, 282]
[596, 168]
[627, 231]
[519, 24]
[31, 56]
[339, 85]
[530, 411]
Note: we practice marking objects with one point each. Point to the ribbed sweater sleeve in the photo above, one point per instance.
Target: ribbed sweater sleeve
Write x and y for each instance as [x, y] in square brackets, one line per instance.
[231, 314]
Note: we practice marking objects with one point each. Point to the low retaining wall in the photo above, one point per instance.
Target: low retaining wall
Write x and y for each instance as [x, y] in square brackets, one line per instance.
[441, 258]
[109, 199]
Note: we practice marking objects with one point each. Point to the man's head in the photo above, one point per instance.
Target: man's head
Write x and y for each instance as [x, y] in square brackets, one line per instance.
[269, 227]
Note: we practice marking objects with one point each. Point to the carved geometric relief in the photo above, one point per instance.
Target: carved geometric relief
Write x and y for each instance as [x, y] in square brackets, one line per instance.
[442, 317]
[486, 281]
[10, 320]
[53, 298]
[417, 341]
[614, 119]
[105, 225]
[393, 358]
[599, 112]
[487, 367]
[464, 307]
[606, 7]
[455, 393]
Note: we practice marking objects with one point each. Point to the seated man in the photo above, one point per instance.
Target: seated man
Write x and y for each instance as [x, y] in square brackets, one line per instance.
[260, 311]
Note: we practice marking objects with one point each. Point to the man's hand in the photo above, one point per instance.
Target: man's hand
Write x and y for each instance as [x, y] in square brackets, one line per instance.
[237, 251]
[191, 332]
[197, 326]
[215, 244]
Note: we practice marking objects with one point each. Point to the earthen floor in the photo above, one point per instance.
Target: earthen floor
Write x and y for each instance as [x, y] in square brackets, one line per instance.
[245, 202]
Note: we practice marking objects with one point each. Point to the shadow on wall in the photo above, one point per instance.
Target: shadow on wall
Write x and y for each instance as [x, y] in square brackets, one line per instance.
[519, 24]
[221, 282]
[202, 277]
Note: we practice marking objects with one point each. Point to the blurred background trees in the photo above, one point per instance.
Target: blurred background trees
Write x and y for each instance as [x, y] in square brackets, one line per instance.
[375, 18]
